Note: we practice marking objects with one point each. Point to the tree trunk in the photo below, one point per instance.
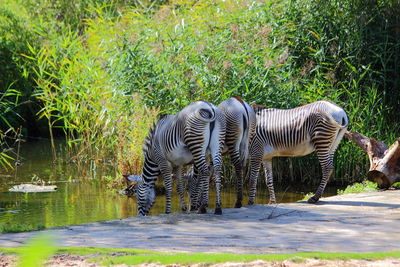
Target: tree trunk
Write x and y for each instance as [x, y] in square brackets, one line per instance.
[384, 162]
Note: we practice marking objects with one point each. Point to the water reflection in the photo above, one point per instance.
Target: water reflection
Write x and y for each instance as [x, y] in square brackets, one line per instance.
[81, 197]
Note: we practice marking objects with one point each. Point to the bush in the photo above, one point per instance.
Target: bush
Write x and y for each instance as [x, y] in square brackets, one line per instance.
[99, 66]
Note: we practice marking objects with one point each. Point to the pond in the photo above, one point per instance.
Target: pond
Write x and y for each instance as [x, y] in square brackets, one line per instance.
[82, 195]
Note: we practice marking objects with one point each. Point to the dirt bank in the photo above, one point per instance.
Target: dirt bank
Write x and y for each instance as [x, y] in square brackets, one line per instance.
[367, 222]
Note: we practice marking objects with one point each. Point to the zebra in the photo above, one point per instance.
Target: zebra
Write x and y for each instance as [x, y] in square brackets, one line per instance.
[317, 126]
[240, 127]
[198, 186]
[240, 122]
[175, 141]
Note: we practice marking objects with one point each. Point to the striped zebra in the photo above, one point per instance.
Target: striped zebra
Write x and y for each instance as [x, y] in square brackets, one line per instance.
[198, 185]
[240, 127]
[318, 127]
[175, 141]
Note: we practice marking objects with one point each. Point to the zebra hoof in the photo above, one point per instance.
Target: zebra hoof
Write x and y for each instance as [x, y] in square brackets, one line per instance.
[251, 202]
[312, 200]
[218, 211]
[184, 208]
[202, 210]
[193, 208]
[238, 205]
[272, 202]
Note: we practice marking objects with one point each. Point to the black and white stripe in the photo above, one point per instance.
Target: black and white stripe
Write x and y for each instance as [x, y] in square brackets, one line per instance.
[295, 132]
[175, 141]
[240, 127]
[198, 186]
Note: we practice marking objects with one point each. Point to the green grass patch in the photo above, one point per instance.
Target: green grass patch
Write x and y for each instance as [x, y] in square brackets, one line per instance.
[306, 197]
[396, 185]
[206, 258]
[365, 186]
[18, 227]
[106, 256]
[37, 250]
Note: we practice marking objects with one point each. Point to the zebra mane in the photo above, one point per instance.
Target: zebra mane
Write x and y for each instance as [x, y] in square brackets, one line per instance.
[257, 107]
[238, 99]
[148, 141]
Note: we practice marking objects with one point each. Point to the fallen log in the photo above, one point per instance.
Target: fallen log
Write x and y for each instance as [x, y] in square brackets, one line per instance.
[384, 161]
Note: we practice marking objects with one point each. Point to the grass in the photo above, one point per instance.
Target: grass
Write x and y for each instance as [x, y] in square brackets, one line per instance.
[36, 251]
[365, 186]
[107, 256]
[19, 227]
[306, 197]
[209, 258]
[396, 185]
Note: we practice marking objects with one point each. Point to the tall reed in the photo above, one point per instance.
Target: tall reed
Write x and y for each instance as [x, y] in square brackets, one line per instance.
[103, 70]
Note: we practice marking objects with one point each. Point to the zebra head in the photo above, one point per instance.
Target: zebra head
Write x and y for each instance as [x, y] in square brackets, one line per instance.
[131, 182]
[193, 188]
[144, 193]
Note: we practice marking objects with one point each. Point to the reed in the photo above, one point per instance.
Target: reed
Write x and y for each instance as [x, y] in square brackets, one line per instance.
[103, 70]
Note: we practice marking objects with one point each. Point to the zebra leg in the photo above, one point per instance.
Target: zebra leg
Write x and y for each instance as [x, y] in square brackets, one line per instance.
[180, 188]
[239, 186]
[235, 158]
[204, 188]
[255, 164]
[326, 160]
[269, 180]
[327, 170]
[166, 173]
[194, 190]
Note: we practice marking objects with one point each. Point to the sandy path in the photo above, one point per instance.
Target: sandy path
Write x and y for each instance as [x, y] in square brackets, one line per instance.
[367, 222]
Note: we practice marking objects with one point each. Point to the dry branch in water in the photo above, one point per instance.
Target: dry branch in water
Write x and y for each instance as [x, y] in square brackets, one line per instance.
[384, 161]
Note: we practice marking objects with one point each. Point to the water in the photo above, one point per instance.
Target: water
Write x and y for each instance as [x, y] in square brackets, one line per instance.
[82, 194]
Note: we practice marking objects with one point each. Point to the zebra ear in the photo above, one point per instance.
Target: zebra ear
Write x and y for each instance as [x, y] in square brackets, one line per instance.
[132, 180]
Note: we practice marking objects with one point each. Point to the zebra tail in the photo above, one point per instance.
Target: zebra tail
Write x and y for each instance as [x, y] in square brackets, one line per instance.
[342, 124]
[244, 144]
[206, 114]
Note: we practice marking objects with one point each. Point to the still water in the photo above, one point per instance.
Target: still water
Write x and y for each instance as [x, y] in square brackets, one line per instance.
[82, 196]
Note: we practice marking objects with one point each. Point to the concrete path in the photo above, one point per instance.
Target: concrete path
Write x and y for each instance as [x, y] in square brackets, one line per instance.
[367, 222]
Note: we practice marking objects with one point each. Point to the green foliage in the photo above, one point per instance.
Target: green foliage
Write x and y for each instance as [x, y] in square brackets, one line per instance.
[364, 186]
[17, 227]
[306, 196]
[103, 70]
[36, 251]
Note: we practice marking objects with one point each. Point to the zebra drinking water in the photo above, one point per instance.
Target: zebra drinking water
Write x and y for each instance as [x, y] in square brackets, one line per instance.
[178, 140]
[295, 132]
